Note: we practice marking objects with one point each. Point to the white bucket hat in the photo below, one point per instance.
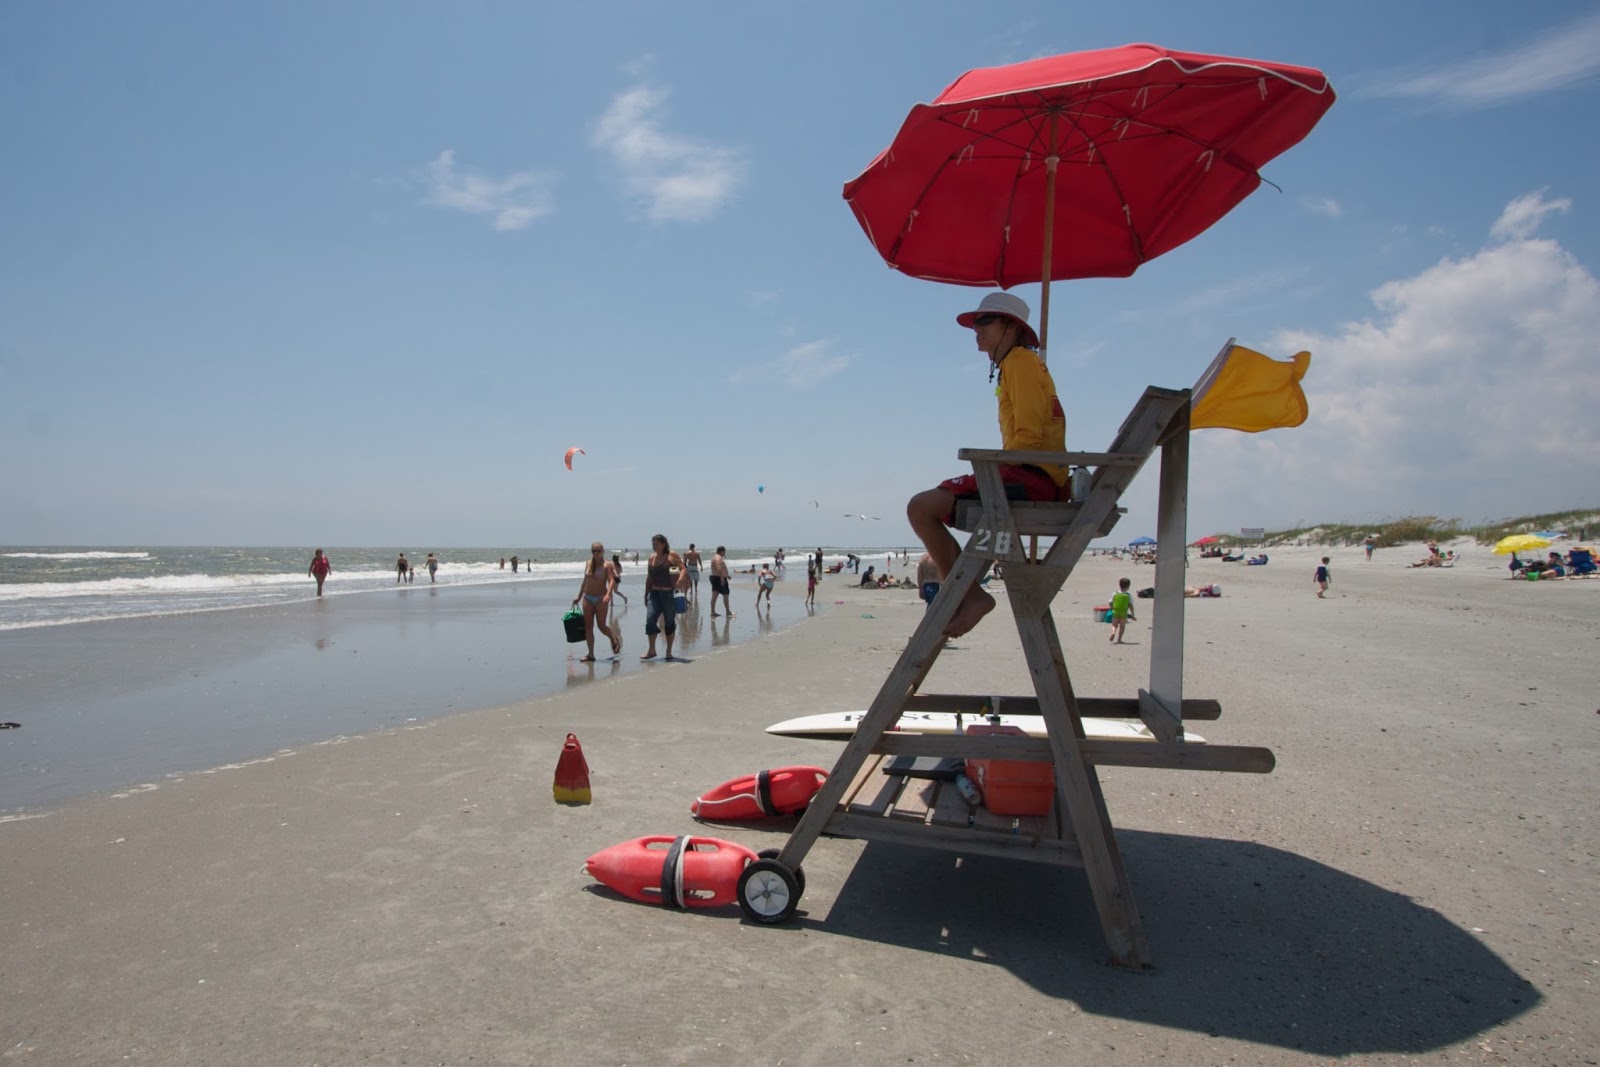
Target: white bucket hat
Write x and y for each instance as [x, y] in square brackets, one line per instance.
[1012, 307]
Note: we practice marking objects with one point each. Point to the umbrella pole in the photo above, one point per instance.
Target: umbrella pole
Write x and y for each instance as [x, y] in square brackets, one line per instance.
[1051, 162]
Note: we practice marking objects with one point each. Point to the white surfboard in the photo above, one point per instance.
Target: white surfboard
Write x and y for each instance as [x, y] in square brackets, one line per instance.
[841, 725]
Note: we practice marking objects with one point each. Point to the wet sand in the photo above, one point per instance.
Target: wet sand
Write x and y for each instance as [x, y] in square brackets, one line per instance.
[125, 703]
[1412, 883]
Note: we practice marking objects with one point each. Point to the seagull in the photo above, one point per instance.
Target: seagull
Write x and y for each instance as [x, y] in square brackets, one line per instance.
[863, 518]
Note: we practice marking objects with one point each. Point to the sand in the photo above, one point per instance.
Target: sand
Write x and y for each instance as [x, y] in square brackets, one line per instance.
[1415, 882]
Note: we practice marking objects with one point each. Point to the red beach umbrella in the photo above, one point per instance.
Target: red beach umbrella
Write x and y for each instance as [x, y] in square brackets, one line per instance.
[1078, 166]
[1206, 540]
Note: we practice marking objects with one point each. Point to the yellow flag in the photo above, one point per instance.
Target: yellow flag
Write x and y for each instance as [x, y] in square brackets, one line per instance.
[1251, 392]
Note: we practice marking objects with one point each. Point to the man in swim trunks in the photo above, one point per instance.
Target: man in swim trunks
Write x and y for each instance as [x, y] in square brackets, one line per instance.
[599, 582]
[1030, 418]
[719, 582]
[691, 559]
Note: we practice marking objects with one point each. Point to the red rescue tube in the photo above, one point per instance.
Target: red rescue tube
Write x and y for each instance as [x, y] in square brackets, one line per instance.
[680, 872]
[781, 791]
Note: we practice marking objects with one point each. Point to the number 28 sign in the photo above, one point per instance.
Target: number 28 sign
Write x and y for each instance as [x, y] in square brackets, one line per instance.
[995, 544]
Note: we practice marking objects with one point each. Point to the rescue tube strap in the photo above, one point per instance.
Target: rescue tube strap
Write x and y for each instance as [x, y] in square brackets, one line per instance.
[672, 874]
[764, 793]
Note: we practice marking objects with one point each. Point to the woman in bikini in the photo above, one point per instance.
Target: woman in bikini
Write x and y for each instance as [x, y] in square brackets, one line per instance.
[599, 582]
[664, 575]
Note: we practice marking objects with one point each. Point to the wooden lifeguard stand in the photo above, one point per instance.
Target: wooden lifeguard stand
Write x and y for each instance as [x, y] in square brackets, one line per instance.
[858, 802]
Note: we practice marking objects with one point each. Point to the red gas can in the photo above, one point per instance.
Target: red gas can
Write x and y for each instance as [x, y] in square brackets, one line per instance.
[1012, 786]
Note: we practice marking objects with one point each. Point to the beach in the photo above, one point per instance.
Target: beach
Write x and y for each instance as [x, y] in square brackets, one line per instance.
[1413, 883]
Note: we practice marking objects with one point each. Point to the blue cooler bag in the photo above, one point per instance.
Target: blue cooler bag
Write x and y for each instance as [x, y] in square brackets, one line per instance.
[680, 603]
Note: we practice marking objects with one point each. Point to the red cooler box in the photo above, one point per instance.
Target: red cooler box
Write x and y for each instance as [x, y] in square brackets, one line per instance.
[1012, 786]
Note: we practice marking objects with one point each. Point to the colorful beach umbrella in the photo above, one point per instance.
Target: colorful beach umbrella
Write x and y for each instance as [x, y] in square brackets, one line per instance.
[1083, 165]
[1207, 540]
[1142, 541]
[1520, 543]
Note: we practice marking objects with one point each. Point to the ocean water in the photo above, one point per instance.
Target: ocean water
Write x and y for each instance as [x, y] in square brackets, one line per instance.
[127, 667]
[53, 586]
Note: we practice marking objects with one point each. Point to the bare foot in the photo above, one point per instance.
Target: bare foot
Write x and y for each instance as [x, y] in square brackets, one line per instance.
[970, 613]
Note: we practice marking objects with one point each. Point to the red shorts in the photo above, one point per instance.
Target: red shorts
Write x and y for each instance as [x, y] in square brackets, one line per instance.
[1022, 483]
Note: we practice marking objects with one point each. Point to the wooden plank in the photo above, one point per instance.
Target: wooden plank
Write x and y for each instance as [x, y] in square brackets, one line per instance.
[1161, 720]
[969, 746]
[1021, 457]
[1036, 518]
[868, 775]
[1166, 637]
[1244, 759]
[1091, 707]
[878, 798]
[1081, 796]
[951, 808]
[915, 800]
[1057, 851]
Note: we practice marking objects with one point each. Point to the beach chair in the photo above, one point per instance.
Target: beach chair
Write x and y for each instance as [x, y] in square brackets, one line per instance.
[1582, 561]
[1075, 827]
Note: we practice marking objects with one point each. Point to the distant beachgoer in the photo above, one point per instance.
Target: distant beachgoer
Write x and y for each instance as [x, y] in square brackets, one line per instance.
[1324, 578]
[1121, 610]
[852, 561]
[927, 579]
[867, 578]
[811, 583]
[320, 569]
[764, 583]
[433, 566]
[778, 557]
[514, 561]
[599, 582]
[616, 564]
[1369, 544]
[1030, 418]
[819, 563]
[719, 582]
[502, 563]
[691, 559]
[664, 575]
[411, 572]
[400, 568]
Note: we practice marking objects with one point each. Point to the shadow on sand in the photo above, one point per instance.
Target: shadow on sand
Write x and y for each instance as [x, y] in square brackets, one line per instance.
[1250, 942]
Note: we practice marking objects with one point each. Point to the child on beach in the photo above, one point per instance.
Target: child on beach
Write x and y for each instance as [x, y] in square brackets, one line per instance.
[1121, 610]
[764, 583]
[1323, 577]
[811, 583]
[1030, 418]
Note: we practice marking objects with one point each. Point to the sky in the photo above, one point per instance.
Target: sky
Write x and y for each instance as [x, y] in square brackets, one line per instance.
[360, 273]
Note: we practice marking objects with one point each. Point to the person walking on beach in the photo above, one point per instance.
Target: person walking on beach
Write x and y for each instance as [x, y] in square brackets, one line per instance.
[719, 582]
[1030, 418]
[320, 569]
[1121, 610]
[599, 582]
[764, 583]
[1324, 578]
[811, 583]
[1369, 544]
[616, 565]
[433, 566]
[400, 568]
[819, 563]
[691, 559]
[664, 575]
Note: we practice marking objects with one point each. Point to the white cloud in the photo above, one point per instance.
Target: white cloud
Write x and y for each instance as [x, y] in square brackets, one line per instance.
[1323, 205]
[803, 365]
[1523, 216]
[514, 201]
[1562, 57]
[676, 179]
[1469, 392]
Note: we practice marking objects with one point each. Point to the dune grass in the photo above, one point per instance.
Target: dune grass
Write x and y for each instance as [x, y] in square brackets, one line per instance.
[1577, 522]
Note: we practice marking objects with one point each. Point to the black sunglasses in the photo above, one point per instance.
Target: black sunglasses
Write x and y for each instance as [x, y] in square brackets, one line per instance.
[984, 320]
